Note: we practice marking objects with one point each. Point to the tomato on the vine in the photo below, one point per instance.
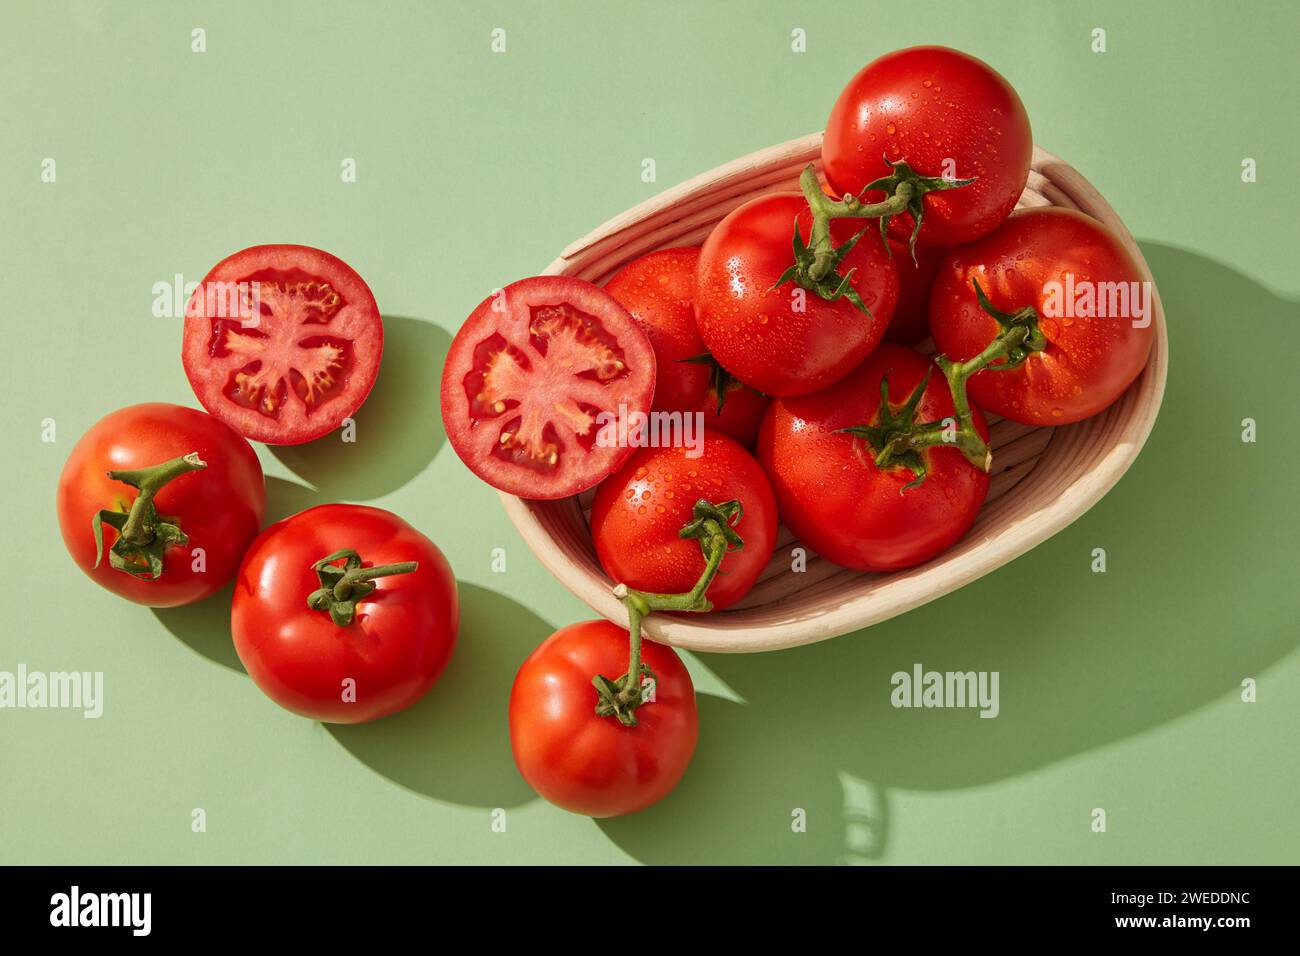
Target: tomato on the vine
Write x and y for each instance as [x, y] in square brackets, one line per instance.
[157, 503]
[659, 291]
[776, 336]
[282, 342]
[639, 512]
[588, 763]
[344, 613]
[1087, 297]
[947, 115]
[849, 482]
[533, 377]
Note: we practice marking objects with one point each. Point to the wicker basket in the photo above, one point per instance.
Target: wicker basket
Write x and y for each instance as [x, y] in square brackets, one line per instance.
[1058, 473]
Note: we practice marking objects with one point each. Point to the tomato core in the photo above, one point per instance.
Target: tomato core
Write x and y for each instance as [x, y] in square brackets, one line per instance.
[271, 345]
[534, 398]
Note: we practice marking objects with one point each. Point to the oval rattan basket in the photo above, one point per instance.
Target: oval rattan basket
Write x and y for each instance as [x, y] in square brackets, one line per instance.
[1060, 473]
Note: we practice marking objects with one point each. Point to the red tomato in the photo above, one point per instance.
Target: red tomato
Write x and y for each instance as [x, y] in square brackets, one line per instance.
[639, 511]
[659, 291]
[282, 343]
[590, 764]
[832, 495]
[911, 321]
[400, 636]
[1038, 258]
[946, 114]
[787, 340]
[533, 375]
[218, 508]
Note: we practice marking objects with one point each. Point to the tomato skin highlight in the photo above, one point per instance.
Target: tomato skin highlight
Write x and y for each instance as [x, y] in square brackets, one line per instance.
[402, 637]
[594, 765]
[658, 290]
[315, 317]
[930, 106]
[832, 495]
[529, 375]
[1088, 362]
[759, 333]
[639, 510]
[219, 508]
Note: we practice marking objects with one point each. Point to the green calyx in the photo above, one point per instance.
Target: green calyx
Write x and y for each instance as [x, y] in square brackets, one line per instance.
[819, 273]
[721, 382]
[904, 187]
[341, 587]
[714, 527]
[816, 263]
[897, 440]
[143, 536]
[895, 437]
[1019, 335]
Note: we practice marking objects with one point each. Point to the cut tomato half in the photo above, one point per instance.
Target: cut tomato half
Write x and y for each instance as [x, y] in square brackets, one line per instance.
[282, 342]
[539, 384]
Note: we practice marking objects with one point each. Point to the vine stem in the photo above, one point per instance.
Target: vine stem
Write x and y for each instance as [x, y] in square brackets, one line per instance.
[138, 529]
[712, 526]
[897, 439]
[143, 537]
[342, 587]
[968, 439]
[824, 209]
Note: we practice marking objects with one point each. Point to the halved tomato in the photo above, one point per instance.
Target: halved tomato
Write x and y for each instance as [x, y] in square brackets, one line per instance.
[543, 384]
[282, 342]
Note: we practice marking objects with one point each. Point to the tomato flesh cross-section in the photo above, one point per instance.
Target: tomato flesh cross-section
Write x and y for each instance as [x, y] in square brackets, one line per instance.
[534, 375]
[274, 353]
[282, 342]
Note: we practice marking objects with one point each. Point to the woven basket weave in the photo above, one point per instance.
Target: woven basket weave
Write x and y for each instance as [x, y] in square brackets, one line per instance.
[1059, 473]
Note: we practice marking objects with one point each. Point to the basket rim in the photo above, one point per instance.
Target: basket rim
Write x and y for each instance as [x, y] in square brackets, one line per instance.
[722, 632]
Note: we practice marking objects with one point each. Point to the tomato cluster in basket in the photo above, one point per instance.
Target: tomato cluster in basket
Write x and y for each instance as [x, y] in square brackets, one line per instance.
[791, 337]
[705, 393]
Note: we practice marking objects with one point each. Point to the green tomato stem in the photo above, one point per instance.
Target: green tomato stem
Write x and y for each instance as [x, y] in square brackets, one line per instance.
[824, 209]
[142, 536]
[140, 521]
[711, 526]
[342, 587]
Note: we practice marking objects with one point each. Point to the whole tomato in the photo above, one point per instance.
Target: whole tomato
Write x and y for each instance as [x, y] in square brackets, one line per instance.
[836, 498]
[157, 503]
[592, 764]
[344, 613]
[948, 115]
[1091, 305]
[659, 291]
[640, 511]
[781, 338]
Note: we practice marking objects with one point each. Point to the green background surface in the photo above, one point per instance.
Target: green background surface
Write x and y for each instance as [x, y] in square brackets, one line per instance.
[1118, 690]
